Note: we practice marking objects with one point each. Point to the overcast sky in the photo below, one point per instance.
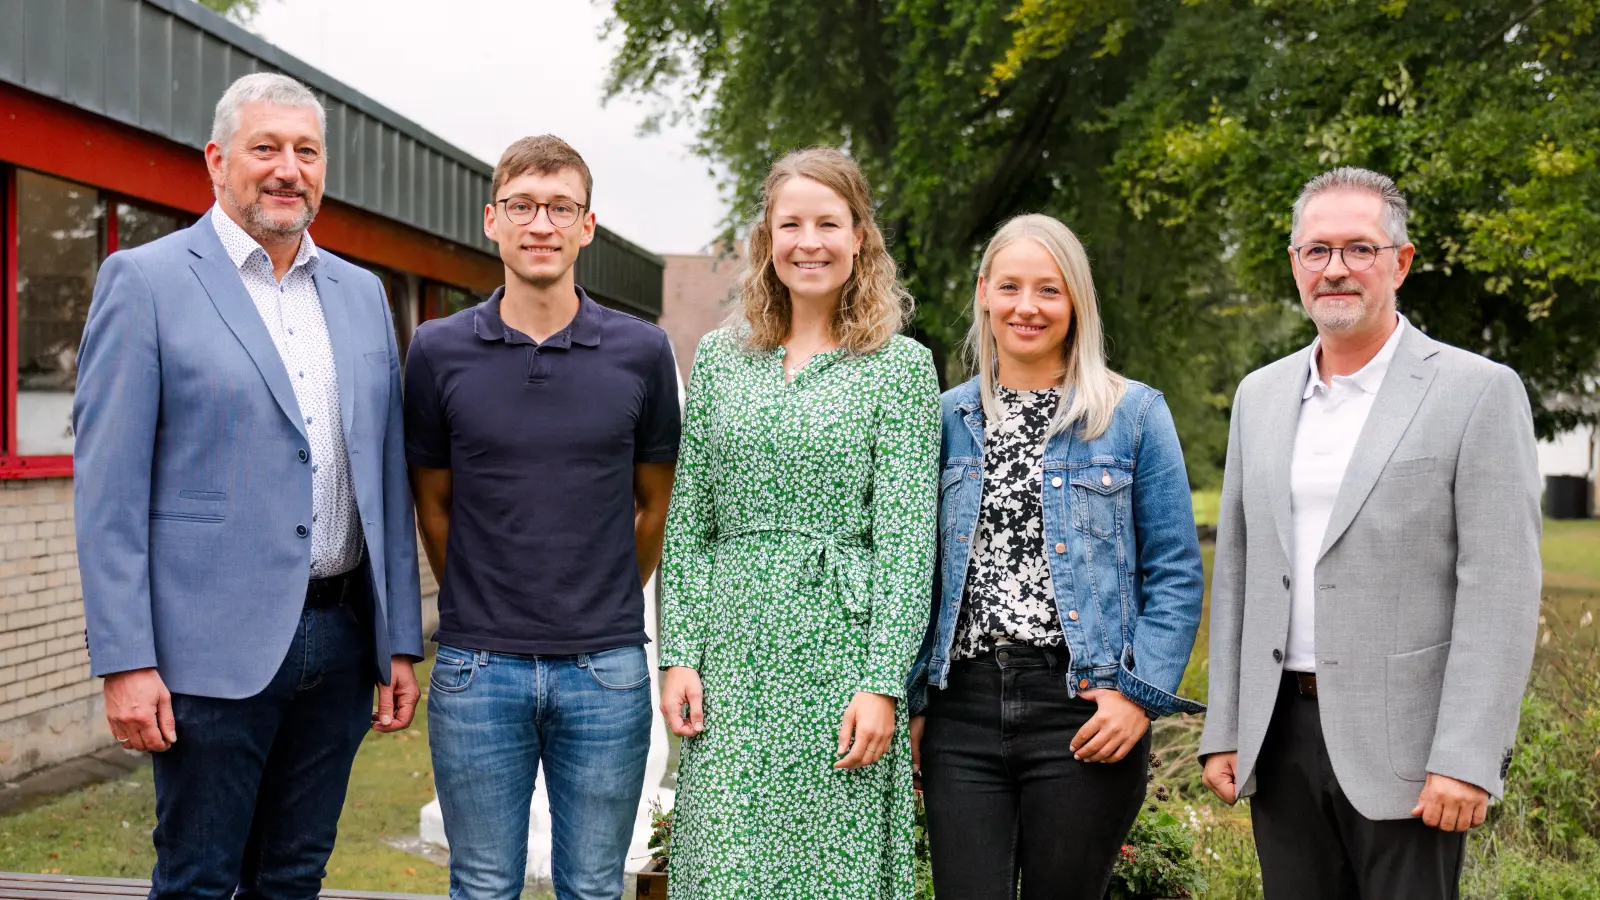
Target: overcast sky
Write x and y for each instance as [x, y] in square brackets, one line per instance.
[482, 73]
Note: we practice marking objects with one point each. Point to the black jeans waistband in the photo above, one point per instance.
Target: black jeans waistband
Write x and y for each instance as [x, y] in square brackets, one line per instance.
[1019, 656]
[336, 590]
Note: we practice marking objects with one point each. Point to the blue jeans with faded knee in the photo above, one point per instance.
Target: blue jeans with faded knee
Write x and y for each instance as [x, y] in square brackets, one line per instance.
[494, 719]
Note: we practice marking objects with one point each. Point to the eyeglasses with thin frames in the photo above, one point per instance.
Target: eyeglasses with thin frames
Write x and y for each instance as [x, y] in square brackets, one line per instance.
[523, 210]
[1358, 256]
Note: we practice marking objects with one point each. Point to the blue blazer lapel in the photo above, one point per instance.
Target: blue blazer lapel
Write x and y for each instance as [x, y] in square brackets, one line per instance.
[1404, 386]
[222, 282]
[336, 312]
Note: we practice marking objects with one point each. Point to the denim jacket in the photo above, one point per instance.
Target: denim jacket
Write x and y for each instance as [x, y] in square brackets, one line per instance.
[1120, 538]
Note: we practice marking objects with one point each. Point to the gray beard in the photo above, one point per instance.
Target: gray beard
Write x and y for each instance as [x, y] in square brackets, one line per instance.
[258, 224]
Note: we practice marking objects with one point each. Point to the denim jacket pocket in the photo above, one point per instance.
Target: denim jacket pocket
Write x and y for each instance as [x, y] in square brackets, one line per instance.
[1098, 494]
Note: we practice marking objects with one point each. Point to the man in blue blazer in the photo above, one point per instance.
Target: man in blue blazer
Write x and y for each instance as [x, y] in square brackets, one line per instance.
[244, 523]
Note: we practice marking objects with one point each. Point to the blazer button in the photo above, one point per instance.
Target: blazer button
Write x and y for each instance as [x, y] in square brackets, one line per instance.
[1277, 656]
[303, 454]
[301, 530]
[1286, 581]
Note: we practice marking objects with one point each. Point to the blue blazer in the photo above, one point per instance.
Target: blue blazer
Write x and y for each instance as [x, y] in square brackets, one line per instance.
[192, 475]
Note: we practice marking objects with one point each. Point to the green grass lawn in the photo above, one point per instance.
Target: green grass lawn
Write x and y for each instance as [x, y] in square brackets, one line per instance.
[105, 830]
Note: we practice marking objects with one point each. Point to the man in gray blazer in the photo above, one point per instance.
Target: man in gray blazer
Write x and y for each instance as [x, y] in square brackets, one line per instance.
[1376, 591]
[244, 521]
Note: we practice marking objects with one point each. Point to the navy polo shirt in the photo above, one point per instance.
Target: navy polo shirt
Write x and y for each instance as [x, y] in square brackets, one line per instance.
[541, 441]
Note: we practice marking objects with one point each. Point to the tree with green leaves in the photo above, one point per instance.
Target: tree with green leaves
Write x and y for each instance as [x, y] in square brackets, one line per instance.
[241, 11]
[1173, 137]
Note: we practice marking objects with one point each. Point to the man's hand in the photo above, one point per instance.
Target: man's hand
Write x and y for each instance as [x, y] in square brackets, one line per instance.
[139, 710]
[397, 700]
[682, 688]
[1220, 774]
[866, 730]
[1451, 805]
[1113, 730]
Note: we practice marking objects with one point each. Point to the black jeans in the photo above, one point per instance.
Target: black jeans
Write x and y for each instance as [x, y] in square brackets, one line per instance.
[1003, 793]
[248, 798]
[1314, 845]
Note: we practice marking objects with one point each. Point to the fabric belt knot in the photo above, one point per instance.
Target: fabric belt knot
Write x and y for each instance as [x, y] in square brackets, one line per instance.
[840, 559]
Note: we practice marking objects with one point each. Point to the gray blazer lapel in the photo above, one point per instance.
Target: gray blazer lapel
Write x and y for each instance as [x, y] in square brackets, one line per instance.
[1404, 386]
[222, 282]
[1283, 418]
[336, 312]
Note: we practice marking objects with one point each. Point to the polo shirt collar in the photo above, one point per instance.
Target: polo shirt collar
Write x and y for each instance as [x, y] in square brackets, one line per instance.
[1370, 376]
[584, 328]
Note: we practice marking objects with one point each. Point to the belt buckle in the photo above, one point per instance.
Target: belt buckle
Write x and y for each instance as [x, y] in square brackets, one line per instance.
[1306, 683]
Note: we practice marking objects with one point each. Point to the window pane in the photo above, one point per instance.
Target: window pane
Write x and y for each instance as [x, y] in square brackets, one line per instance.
[60, 242]
[455, 300]
[136, 227]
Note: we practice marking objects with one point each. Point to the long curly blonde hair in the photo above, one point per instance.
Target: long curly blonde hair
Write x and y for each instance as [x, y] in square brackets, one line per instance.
[873, 305]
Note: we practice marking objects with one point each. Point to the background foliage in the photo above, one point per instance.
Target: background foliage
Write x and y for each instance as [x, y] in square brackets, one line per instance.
[1173, 137]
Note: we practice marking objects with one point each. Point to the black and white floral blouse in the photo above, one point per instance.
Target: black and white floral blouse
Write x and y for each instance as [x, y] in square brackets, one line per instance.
[1008, 597]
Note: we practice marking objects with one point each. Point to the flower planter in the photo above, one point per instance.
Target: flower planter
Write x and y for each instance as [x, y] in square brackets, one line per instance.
[653, 881]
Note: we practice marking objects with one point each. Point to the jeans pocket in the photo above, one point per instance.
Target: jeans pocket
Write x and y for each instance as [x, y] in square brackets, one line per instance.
[622, 669]
[453, 670]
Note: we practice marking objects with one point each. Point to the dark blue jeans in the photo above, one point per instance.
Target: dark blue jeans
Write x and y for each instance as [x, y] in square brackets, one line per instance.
[493, 720]
[248, 798]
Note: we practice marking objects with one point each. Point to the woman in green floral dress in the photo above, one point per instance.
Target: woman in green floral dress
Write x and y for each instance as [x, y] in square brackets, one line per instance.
[798, 562]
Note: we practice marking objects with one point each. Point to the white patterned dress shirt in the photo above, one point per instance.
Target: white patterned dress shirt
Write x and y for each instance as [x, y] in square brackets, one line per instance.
[1331, 419]
[292, 311]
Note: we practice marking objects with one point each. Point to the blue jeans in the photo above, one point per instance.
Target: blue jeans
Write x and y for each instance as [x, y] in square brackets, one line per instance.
[493, 718]
[249, 796]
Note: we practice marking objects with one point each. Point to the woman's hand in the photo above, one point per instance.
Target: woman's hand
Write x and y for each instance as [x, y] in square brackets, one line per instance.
[681, 688]
[869, 720]
[1115, 728]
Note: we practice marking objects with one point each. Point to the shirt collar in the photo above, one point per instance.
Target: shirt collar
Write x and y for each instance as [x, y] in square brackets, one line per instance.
[240, 246]
[1370, 376]
[584, 328]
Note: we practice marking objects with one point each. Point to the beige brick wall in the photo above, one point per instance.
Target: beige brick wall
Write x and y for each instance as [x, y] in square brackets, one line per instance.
[696, 291]
[48, 702]
[50, 708]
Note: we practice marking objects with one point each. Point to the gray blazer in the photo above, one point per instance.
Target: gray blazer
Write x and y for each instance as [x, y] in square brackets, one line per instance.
[1427, 583]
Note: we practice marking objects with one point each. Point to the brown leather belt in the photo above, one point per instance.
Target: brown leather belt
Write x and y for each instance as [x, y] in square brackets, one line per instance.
[1304, 682]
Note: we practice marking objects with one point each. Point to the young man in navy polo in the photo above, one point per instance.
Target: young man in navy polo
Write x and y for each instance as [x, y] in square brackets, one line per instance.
[542, 433]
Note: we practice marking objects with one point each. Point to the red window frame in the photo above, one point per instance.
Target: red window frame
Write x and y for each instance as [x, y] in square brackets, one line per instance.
[12, 463]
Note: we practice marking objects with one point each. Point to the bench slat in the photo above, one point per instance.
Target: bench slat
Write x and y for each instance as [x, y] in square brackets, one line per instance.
[26, 886]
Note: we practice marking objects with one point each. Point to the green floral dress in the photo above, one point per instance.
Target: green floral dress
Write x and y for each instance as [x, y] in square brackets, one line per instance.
[797, 571]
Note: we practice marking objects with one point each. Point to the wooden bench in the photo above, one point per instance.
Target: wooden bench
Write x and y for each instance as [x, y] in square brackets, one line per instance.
[21, 886]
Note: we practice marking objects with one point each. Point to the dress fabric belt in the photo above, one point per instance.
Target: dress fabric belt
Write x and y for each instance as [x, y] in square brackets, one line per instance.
[843, 560]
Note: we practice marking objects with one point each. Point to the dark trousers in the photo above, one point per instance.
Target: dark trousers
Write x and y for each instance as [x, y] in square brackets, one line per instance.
[1312, 843]
[1003, 793]
[249, 796]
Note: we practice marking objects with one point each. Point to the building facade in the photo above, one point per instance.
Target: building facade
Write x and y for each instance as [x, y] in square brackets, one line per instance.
[105, 106]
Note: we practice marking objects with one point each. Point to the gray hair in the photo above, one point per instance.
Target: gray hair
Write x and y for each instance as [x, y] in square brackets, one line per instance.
[1351, 178]
[263, 87]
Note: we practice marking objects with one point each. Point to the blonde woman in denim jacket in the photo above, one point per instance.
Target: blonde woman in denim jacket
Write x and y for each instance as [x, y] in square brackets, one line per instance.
[1068, 588]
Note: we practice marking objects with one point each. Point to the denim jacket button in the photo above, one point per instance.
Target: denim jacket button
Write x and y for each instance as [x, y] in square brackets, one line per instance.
[1061, 548]
[1072, 614]
[1056, 481]
[1083, 684]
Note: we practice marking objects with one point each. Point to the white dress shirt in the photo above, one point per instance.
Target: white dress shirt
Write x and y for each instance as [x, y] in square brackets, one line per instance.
[1331, 419]
[292, 311]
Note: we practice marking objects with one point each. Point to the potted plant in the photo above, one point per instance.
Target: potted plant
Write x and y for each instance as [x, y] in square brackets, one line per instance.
[652, 883]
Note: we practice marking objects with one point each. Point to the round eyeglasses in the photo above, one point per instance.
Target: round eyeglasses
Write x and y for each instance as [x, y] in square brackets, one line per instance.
[523, 210]
[1357, 257]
